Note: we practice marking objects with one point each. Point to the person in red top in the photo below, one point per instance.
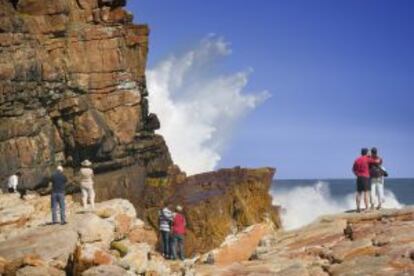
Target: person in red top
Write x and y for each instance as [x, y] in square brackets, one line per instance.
[178, 231]
[363, 184]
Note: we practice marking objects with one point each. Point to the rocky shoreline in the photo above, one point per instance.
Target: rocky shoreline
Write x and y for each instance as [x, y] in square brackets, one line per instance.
[72, 87]
[111, 240]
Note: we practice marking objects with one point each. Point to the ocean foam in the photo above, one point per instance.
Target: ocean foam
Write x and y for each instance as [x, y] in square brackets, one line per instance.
[303, 204]
[199, 107]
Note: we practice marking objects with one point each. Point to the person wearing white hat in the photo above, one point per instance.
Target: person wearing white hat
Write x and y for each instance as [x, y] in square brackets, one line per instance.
[86, 183]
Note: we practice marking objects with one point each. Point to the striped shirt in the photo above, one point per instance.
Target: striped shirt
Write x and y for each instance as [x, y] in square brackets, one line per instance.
[166, 217]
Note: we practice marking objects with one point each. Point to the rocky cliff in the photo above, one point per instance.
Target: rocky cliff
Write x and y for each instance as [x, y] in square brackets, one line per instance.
[72, 87]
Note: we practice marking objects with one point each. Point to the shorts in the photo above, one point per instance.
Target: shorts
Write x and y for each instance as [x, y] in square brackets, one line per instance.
[363, 184]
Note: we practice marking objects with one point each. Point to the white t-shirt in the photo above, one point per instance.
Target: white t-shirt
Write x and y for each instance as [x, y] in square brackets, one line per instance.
[13, 181]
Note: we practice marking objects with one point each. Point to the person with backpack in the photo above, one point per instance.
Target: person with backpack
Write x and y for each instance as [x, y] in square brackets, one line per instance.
[165, 217]
[377, 174]
[178, 231]
[58, 180]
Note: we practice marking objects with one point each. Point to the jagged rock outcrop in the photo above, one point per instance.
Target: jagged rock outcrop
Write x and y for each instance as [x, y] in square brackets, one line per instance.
[216, 204]
[72, 86]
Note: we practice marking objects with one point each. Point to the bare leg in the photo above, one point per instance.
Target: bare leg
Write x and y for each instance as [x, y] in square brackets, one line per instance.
[358, 201]
[371, 199]
[92, 197]
[84, 198]
[366, 199]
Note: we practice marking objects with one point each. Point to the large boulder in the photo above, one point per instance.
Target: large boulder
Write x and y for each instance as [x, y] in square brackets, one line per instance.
[216, 204]
[49, 243]
[93, 229]
[89, 255]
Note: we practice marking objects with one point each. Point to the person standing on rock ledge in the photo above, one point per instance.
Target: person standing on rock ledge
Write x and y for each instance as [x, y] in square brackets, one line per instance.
[86, 183]
[363, 184]
[58, 180]
[165, 221]
[377, 178]
[13, 182]
[178, 231]
[361, 169]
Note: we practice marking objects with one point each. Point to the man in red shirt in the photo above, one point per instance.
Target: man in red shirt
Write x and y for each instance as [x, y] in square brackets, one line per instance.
[363, 184]
[178, 231]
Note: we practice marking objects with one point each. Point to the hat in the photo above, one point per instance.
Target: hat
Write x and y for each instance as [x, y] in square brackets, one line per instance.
[179, 208]
[59, 168]
[86, 163]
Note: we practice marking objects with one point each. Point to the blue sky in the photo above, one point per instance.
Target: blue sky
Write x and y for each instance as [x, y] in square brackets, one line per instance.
[341, 75]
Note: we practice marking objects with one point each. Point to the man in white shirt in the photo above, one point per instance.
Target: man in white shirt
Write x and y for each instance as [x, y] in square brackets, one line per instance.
[13, 182]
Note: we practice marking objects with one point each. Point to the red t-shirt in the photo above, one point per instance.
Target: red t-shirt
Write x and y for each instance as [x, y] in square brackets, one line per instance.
[361, 166]
[179, 224]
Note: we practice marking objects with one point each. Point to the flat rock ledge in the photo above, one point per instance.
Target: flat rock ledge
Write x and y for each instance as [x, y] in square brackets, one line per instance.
[370, 243]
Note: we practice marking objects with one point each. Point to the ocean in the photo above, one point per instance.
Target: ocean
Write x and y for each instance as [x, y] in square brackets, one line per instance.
[303, 201]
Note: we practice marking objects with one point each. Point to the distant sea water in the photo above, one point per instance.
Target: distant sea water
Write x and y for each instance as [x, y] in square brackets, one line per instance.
[305, 200]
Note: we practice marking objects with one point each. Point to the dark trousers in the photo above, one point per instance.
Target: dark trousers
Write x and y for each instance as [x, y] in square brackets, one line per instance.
[165, 235]
[178, 242]
[58, 198]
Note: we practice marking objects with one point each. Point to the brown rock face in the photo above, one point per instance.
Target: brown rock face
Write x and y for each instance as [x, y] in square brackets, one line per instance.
[216, 204]
[72, 86]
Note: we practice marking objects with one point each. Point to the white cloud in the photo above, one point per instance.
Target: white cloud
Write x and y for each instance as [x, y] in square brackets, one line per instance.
[198, 108]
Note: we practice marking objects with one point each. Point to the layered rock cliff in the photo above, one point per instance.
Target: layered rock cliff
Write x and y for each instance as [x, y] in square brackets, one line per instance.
[72, 87]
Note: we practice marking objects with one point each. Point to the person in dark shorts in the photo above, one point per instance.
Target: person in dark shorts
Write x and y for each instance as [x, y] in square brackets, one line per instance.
[363, 183]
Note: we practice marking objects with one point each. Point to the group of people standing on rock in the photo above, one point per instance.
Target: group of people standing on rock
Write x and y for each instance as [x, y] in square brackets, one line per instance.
[172, 229]
[370, 175]
[58, 182]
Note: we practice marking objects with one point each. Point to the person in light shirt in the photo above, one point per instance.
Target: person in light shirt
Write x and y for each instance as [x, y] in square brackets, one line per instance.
[86, 183]
[13, 182]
